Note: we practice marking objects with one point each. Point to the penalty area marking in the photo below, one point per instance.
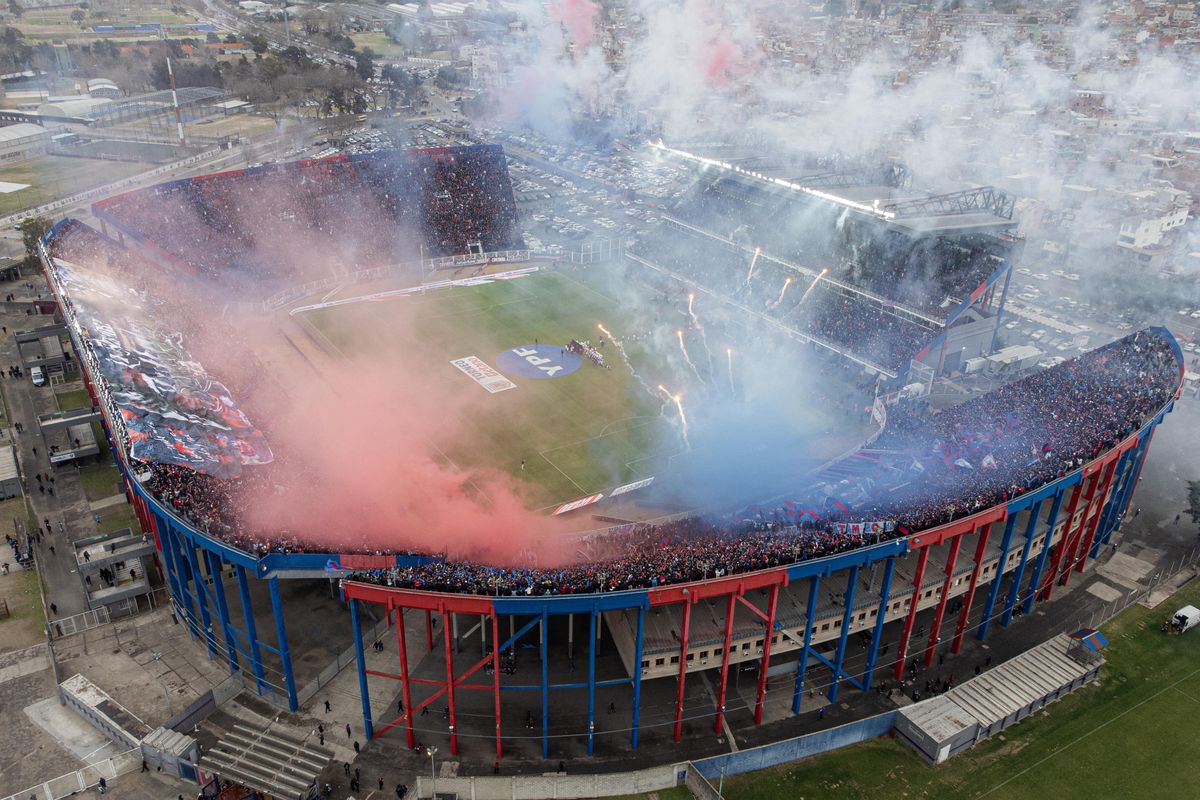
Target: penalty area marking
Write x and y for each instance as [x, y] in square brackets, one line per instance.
[605, 432]
[574, 483]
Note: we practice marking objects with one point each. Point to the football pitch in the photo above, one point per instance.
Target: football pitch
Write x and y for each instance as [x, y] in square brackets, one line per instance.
[577, 434]
[1134, 733]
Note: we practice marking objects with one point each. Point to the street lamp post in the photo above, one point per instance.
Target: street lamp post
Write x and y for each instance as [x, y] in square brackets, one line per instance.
[431, 752]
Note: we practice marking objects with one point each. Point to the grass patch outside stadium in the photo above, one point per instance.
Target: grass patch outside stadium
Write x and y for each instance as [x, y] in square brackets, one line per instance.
[577, 434]
[1134, 733]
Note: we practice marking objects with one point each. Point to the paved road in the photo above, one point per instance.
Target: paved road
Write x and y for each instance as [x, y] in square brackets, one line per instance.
[62, 502]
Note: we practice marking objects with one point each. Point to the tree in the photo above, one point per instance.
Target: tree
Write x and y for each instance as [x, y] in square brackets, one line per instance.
[78, 15]
[231, 38]
[446, 78]
[257, 43]
[1194, 500]
[363, 64]
[297, 57]
[212, 38]
[14, 53]
[187, 73]
[32, 231]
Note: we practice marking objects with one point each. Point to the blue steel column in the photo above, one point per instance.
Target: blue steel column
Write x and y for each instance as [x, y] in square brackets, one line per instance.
[285, 656]
[1014, 589]
[637, 674]
[178, 585]
[201, 597]
[1036, 577]
[997, 577]
[592, 680]
[1000, 310]
[546, 683]
[361, 660]
[214, 572]
[1135, 471]
[251, 629]
[885, 599]
[847, 619]
[164, 541]
[814, 585]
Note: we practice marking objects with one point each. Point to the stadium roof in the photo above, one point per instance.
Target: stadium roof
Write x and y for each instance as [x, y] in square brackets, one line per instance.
[82, 106]
[22, 130]
[156, 101]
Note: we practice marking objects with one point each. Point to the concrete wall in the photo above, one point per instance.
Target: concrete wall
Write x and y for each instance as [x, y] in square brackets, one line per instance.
[801, 747]
[563, 786]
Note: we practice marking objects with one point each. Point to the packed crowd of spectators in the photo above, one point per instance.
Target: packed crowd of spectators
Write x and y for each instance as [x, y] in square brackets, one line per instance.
[263, 227]
[969, 458]
[929, 274]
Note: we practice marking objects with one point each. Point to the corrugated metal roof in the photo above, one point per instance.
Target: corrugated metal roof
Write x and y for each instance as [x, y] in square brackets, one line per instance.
[939, 717]
[22, 130]
[1018, 682]
[8, 464]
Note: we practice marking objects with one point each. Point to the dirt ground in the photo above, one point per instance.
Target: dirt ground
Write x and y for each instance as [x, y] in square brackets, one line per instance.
[25, 624]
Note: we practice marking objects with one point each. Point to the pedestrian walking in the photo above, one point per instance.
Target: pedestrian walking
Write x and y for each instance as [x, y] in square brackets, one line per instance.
[326, 706]
[348, 730]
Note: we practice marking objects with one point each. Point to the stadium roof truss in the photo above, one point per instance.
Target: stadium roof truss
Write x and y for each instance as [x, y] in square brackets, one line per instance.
[892, 174]
[983, 199]
[893, 307]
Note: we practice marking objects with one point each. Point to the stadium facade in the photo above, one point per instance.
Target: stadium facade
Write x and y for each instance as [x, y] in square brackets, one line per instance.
[998, 562]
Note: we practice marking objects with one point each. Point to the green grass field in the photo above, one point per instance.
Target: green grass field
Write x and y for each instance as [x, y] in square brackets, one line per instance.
[51, 177]
[378, 42]
[577, 434]
[1133, 734]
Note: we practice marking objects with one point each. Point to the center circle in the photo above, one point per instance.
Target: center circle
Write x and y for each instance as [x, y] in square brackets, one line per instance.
[539, 361]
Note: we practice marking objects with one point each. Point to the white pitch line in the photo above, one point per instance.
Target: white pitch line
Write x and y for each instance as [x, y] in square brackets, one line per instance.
[591, 289]
[603, 432]
[560, 472]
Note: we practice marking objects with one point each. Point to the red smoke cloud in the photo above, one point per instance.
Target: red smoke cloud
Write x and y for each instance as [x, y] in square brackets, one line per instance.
[359, 465]
[579, 18]
[357, 442]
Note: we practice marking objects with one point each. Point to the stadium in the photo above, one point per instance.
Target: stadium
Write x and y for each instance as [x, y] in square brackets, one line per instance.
[716, 455]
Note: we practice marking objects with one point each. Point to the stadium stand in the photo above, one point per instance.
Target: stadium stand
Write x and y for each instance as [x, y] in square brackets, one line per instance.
[846, 320]
[248, 226]
[928, 274]
[969, 457]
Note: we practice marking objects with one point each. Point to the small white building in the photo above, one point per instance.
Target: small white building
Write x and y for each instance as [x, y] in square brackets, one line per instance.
[22, 142]
[1150, 216]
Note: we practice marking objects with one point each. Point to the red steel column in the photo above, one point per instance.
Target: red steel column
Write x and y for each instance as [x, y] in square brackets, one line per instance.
[1057, 558]
[906, 632]
[496, 679]
[1090, 526]
[724, 682]
[766, 659]
[449, 679]
[940, 613]
[402, 648]
[1073, 545]
[429, 630]
[683, 643]
[980, 550]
